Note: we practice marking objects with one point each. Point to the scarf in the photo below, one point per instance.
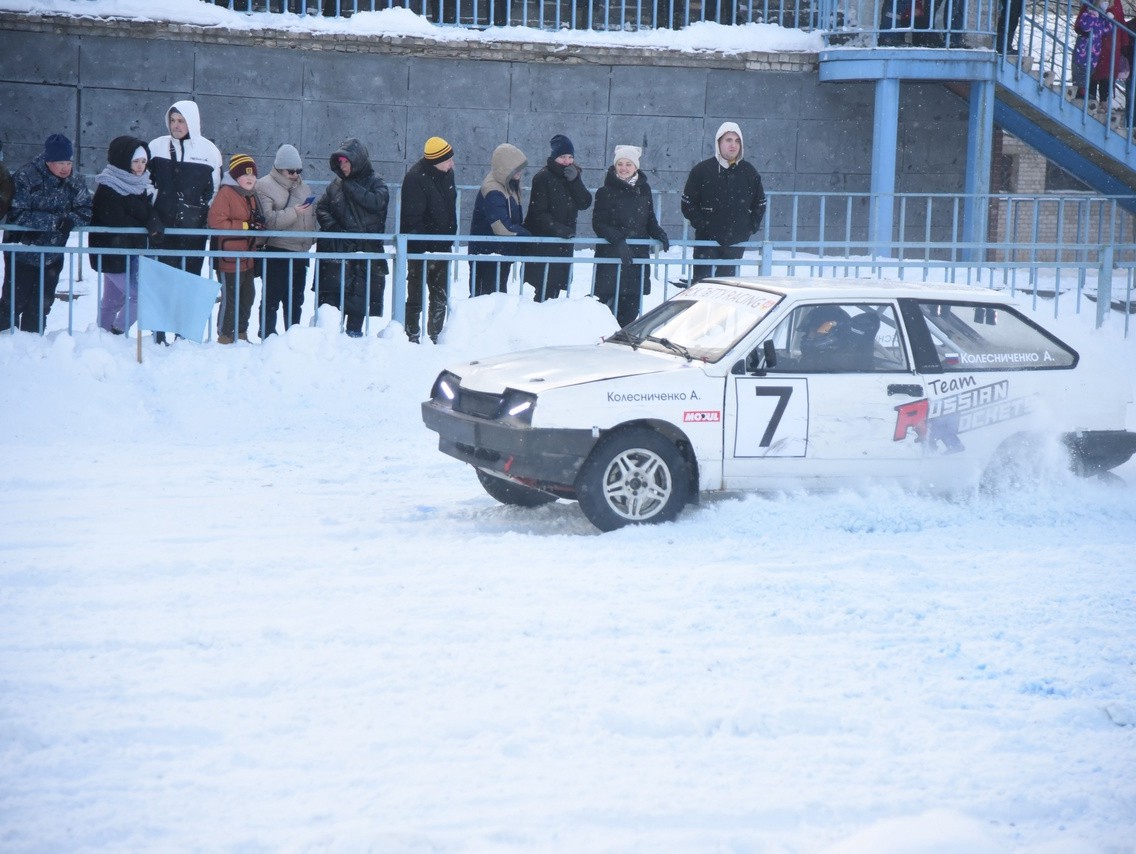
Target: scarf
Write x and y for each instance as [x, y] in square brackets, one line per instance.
[125, 183]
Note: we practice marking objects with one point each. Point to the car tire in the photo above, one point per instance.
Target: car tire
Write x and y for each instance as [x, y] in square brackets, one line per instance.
[632, 477]
[1023, 461]
[511, 493]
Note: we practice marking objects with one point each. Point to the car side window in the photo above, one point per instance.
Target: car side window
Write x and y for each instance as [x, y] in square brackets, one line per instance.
[840, 338]
[979, 337]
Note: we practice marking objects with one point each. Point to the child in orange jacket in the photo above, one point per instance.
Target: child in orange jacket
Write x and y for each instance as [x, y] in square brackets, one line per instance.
[235, 208]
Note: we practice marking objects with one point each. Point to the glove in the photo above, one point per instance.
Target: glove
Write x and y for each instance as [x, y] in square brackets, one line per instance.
[571, 172]
[625, 253]
[666, 243]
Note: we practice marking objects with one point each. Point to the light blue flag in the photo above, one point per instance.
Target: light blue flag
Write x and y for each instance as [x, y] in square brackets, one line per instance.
[172, 300]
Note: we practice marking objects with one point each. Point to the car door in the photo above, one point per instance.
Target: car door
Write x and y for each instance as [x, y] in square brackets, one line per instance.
[826, 412]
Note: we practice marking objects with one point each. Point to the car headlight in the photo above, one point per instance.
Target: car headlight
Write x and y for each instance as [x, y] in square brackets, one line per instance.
[516, 407]
[445, 390]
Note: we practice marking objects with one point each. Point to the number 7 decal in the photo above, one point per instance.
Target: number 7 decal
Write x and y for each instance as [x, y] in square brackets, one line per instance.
[783, 393]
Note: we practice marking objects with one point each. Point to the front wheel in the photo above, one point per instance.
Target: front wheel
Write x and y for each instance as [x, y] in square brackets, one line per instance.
[511, 493]
[632, 476]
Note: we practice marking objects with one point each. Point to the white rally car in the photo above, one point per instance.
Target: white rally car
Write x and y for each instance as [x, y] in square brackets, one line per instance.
[769, 383]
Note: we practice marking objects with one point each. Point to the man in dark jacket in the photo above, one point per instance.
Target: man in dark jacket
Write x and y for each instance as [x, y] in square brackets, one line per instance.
[429, 206]
[48, 198]
[557, 197]
[354, 203]
[725, 202]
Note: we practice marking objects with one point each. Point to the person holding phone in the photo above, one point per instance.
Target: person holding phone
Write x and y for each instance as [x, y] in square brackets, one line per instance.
[288, 205]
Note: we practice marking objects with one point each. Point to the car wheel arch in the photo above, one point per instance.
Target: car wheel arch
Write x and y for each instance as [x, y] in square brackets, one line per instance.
[672, 434]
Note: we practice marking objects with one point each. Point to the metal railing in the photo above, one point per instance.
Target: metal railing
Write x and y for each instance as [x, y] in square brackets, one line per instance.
[601, 15]
[1043, 50]
[1071, 276]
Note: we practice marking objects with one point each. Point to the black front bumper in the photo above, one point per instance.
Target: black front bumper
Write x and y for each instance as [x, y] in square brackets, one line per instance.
[538, 457]
[1096, 451]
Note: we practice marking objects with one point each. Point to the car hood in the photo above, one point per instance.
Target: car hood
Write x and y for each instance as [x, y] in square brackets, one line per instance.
[556, 367]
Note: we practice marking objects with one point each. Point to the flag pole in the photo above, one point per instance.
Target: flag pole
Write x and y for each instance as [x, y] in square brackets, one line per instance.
[138, 304]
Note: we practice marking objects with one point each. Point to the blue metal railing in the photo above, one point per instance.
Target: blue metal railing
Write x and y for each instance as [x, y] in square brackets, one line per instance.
[1091, 255]
[558, 14]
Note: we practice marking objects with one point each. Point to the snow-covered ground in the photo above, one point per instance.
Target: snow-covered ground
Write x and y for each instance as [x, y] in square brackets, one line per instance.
[246, 605]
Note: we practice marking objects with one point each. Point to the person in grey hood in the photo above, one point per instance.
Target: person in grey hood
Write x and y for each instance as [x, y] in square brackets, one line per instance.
[725, 202]
[354, 203]
[497, 212]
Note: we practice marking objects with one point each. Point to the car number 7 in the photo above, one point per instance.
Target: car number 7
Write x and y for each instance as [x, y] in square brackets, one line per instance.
[782, 393]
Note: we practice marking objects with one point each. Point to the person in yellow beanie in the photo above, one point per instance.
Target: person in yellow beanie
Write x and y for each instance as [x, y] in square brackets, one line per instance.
[236, 208]
[429, 206]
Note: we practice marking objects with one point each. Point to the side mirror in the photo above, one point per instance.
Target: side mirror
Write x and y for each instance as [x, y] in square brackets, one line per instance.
[770, 353]
[759, 364]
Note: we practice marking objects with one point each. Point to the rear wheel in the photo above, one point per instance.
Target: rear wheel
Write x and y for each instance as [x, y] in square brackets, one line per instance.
[633, 476]
[513, 494]
[1023, 461]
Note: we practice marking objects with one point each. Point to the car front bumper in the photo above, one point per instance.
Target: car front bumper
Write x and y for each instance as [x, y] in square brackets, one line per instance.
[537, 457]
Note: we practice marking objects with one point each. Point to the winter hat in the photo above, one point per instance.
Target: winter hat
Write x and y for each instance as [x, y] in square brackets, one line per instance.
[241, 164]
[123, 149]
[287, 157]
[628, 152]
[562, 145]
[437, 150]
[139, 153]
[57, 147]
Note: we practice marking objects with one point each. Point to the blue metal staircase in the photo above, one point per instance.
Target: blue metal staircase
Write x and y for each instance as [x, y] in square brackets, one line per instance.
[1028, 94]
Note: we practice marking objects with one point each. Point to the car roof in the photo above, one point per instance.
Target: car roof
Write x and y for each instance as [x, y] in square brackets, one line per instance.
[819, 287]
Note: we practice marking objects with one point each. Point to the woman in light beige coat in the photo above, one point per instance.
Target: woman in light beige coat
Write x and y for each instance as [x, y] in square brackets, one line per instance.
[288, 205]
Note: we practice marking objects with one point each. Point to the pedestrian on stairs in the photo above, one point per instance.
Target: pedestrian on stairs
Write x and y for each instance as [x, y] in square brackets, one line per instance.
[1112, 67]
[1091, 26]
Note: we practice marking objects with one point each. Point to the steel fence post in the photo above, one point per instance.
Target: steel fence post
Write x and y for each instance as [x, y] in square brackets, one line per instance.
[1104, 284]
[398, 280]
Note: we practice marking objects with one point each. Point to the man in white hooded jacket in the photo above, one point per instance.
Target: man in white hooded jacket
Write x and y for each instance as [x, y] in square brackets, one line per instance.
[725, 202]
[186, 171]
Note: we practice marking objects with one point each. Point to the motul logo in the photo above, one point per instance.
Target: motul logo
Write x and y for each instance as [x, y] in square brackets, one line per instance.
[706, 415]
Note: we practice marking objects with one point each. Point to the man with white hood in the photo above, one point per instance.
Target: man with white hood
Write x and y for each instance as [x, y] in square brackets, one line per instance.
[185, 168]
[725, 202]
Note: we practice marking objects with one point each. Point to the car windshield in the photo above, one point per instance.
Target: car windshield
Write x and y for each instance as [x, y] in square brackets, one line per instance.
[703, 324]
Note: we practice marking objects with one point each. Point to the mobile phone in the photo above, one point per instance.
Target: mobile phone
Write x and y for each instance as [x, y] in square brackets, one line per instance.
[309, 200]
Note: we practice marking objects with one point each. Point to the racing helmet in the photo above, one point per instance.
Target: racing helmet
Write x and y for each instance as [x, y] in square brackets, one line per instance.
[824, 335]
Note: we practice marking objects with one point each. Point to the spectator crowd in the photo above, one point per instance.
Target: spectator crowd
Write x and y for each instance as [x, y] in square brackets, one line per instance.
[180, 181]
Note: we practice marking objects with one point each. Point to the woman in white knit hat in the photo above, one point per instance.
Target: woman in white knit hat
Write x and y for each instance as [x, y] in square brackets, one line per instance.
[625, 210]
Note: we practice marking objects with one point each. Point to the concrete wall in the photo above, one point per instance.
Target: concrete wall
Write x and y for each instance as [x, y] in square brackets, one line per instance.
[94, 80]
